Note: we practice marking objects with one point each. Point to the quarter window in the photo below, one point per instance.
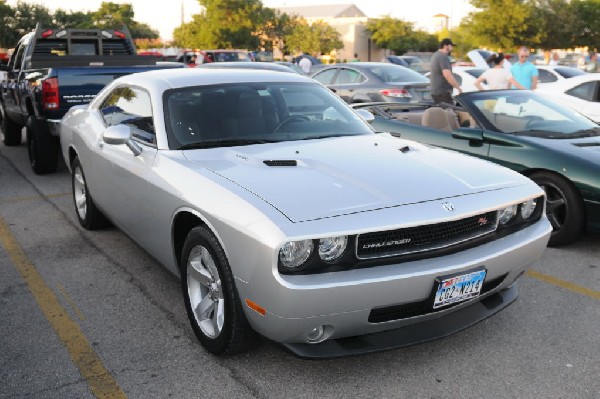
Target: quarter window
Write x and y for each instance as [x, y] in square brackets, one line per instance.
[348, 76]
[546, 77]
[132, 107]
[585, 91]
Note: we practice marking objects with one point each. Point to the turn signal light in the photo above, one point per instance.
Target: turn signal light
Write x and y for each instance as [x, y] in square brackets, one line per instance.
[256, 307]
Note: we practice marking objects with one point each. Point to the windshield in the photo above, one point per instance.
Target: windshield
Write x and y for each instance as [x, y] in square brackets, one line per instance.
[523, 112]
[396, 74]
[255, 113]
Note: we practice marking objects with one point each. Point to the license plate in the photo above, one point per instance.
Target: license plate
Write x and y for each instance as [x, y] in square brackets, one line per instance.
[459, 288]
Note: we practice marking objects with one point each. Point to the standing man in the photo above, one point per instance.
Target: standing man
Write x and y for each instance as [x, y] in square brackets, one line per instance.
[442, 80]
[593, 65]
[305, 64]
[524, 71]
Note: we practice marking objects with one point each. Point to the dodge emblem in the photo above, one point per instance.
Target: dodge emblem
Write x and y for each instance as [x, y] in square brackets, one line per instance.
[448, 206]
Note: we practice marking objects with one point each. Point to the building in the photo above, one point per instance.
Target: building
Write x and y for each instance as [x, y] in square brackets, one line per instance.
[349, 21]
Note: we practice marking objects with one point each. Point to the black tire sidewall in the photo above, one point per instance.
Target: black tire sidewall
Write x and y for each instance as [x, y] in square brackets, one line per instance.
[202, 236]
[11, 132]
[41, 146]
[574, 224]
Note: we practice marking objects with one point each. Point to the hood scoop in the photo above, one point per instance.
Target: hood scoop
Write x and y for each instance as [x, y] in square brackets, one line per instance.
[281, 162]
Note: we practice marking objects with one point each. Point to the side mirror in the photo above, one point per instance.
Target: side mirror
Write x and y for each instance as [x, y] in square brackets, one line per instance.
[121, 134]
[365, 115]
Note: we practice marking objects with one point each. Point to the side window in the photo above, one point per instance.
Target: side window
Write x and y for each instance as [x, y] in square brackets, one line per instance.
[348, 76]
[17, 57]
[132, 107]
[325, 77]
[546, 77]
[584, 91]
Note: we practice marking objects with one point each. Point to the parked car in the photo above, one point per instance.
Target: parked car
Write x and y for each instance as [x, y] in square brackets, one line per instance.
[291, 65]
[284, 213]
[557, 148]
[553, 73]
[465, 76]
[265, 66]
[52, 70]
[357, 82]
[581, 93]
[208, 56]
[396, 60]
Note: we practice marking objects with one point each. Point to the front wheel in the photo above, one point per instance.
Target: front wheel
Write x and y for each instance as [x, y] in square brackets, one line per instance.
[88, 215]
[42, 146]
[210, 296]
[564, 208]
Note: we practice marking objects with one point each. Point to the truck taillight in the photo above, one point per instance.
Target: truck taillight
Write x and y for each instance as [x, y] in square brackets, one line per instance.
[50, 100]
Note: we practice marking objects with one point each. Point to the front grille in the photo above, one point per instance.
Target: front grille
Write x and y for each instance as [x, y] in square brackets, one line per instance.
[414, 309]
[424, 238]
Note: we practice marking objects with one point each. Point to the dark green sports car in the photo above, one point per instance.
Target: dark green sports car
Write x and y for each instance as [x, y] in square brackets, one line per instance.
[556, 147]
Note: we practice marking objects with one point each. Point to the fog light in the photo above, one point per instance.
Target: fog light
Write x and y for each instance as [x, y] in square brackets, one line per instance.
[316, 335]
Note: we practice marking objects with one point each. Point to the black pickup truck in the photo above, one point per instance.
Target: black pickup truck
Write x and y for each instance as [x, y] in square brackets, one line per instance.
[52, 70]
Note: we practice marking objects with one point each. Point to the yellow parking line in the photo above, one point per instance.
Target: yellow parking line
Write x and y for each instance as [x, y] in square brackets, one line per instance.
[99, 379]
[563, 284]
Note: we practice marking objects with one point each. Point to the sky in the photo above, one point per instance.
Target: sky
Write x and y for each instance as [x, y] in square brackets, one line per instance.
[167, 18]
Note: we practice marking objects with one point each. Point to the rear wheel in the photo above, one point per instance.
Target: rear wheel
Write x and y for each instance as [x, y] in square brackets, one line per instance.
[210, 296]
[42, 146]
[10, 132]
[88, 215]
[564, 208]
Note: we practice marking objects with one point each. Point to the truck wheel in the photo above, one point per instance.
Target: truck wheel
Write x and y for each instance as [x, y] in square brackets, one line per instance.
[9, 130]
[89, 216]
[564, 208]
[210, 296]
[43, 148]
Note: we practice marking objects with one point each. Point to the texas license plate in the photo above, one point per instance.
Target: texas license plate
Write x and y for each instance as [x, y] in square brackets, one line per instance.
[459, 288]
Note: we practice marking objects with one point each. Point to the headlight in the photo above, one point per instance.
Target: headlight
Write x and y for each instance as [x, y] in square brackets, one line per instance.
[295, 253]
[332, 248]
[527, 208]
[507, 214]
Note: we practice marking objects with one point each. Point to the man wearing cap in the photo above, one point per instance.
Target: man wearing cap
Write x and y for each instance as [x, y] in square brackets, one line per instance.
[442, 80]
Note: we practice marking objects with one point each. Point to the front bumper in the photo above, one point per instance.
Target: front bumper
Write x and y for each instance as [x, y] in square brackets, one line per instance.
[409, 335]
[343, 301]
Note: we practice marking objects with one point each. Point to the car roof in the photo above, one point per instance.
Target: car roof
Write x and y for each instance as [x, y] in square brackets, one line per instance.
[176, 78]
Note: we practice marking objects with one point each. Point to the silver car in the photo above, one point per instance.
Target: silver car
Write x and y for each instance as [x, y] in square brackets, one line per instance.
[286, 216]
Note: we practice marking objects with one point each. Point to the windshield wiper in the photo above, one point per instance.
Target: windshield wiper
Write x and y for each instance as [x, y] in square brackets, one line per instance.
[224, 143]
[595, 131]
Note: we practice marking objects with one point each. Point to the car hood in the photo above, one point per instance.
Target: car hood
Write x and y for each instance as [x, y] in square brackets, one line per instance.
[343, 175]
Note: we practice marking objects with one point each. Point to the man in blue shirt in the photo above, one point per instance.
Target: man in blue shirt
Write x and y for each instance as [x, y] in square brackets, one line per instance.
[524, 71]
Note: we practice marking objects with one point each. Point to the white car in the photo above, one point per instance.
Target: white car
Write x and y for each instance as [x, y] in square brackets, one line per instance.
[465, 76]
[581, 93]
[285, 214]
[555, 73]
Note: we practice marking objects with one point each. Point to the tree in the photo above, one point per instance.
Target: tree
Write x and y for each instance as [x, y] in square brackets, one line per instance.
[399, 36]
[586, 14]
[24, 18]
[556, 21]
[503, 23]
[312, 39]
[72, 19]
[8, 37]
[113, 15]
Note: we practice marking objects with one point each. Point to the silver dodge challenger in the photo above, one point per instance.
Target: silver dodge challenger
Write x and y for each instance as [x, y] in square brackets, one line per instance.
[286, 216]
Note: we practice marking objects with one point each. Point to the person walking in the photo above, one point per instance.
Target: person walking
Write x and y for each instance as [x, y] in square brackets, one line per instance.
[498, 77]
[524, 71]
[593, 65]
[442, 80]
[554, 60]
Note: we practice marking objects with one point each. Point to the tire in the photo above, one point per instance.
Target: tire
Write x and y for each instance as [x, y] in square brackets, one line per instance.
[89, 216]
[564, 208]
[42, 146]
[210, 296]
[10, 131]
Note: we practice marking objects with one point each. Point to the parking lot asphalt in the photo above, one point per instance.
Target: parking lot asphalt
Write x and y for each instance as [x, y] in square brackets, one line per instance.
[90, 314]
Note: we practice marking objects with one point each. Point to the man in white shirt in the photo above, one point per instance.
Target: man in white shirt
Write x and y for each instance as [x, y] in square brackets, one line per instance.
[305, 64]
